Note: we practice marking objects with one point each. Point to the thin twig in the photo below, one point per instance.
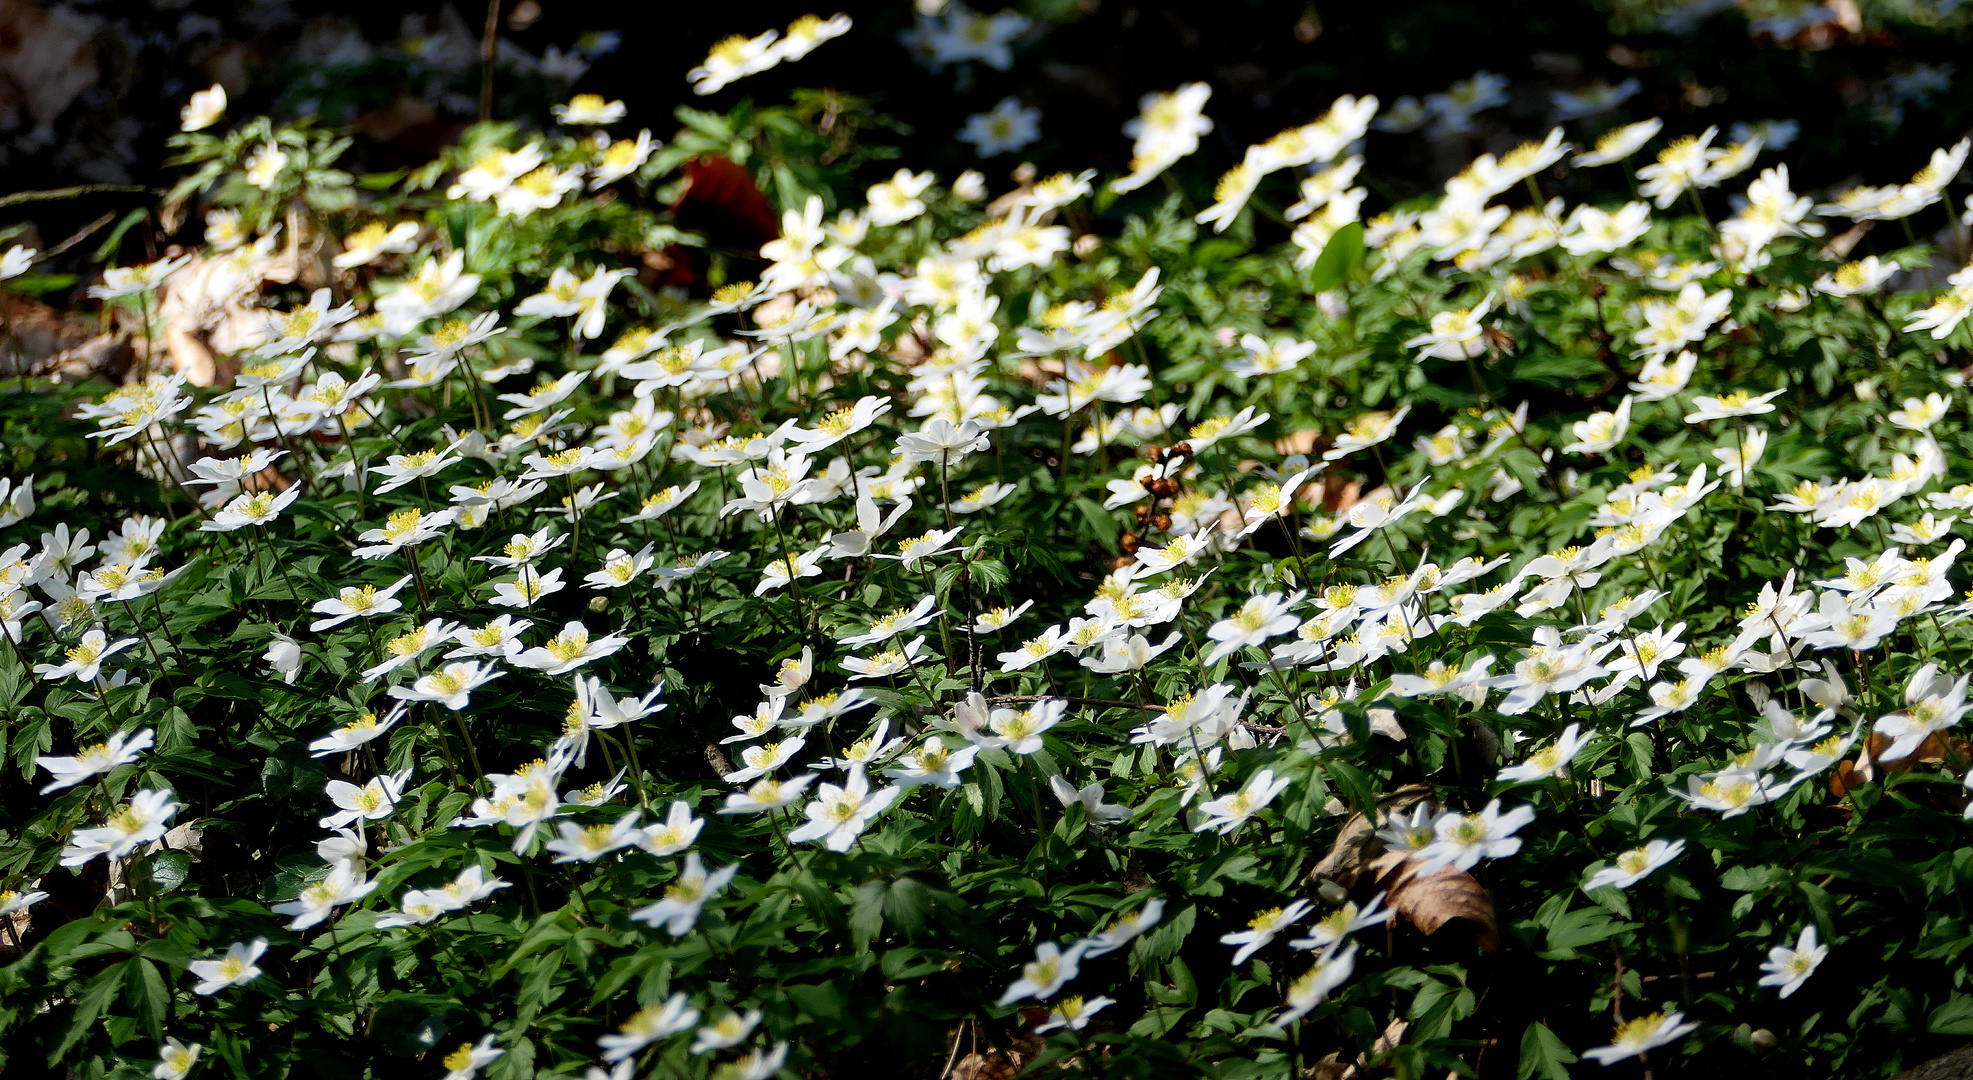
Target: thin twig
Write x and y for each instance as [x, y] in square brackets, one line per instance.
[1106, 702]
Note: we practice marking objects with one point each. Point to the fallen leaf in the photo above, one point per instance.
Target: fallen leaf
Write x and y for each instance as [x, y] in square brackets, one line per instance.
[1388, 1041]
[1338, 494]
[721, 200]
[1432, 900]
[1299, 442]
[1357, 845]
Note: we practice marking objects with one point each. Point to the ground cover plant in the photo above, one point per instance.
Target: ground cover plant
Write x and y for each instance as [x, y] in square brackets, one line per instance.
[491, 621]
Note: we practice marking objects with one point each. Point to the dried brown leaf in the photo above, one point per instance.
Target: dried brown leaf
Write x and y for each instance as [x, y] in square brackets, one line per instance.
[1432, 900]
[1357, 845]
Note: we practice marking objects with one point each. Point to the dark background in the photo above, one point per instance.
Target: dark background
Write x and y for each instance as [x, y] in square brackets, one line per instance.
[1085, 64]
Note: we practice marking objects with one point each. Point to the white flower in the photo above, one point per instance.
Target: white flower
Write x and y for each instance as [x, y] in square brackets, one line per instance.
[734, 58]
[839, 814]
[355, 733]
[500, 637]
[84, 659]
[1464, 839]
[1640, 1035]
[344, 884]
[451, 685]
[204, 110]
[765, 758]
[589, 109]
[175, 1059]
[897, 199]
[1343, 922]
[1547, 669]
[404, 528]
[1548, 761]
[283, 657]
[1727, 406]
[375, 240]
[1601, 433]
[262, 167]
[646, 1026]
[767, 794]
[569, 650]
[1734, 793]
[1789, 968]
[528, 586]
[1455, 335]
[236, 968]
[1167, 128]
[374, 801]
[1051, 967]
[1089, 797]
[16, 261]
[95, 760]
[1442, 678]
[1262, 930]
[1634, 865]
[679, 831]
[1332, 969]
[466, 1062]
[1229, 812]
[1019, 731]
[1933, 703]
[620, 159]
[407, 647]
[11, 901]
[781, 571]
[620, 568]
[1126, 927]
[1073, 1013]
[1658, 382]
[587, 843]
[678, 912]
[730, 1030]
[941, 442]
[1260, 618]
[1590, 231]
[1008, 127]
[804, 34]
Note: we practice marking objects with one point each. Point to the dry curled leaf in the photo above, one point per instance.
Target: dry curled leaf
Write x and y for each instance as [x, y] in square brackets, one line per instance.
[1936, 748]
[1431, 900]
[1356, 846]
[1338, 494]
[1388, 1041]
[981, 1067]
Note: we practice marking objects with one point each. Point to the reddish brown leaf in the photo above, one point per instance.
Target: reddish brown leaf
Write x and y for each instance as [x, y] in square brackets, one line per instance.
[1432, 900]
[721, 200]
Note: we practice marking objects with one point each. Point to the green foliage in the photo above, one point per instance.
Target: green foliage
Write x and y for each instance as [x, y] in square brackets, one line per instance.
[1195, 592]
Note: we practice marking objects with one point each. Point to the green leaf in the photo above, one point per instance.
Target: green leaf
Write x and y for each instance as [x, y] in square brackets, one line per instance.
[149, 993]
[1955, 1017]
[1356, 786]
[168, 870]
[114, 240]
[1583, 926]
[866, 919]
[94, 1001]
[41, 284]
[1543, 1054]
[1340, 257]
[1102, 526]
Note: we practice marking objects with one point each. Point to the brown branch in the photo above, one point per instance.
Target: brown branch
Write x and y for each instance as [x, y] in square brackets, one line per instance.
[1105, 702]
[52, 194]
[489, 43]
